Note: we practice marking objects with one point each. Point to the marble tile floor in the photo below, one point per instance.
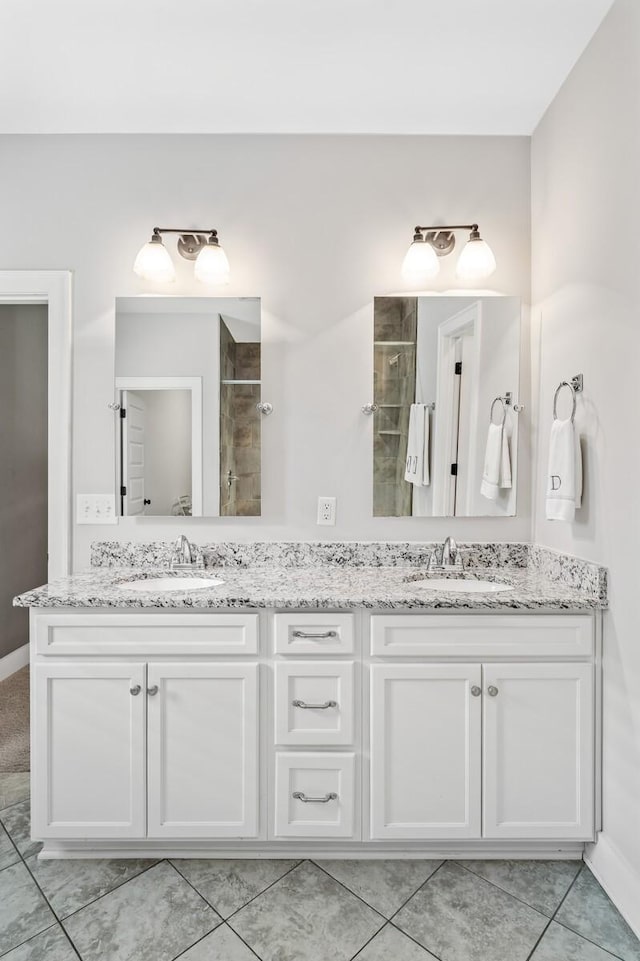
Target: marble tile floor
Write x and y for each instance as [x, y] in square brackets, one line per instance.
[279, 910]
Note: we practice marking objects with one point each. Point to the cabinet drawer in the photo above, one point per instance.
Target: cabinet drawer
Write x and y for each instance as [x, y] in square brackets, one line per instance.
[146, 634]
[467, 635]
[315, 795]
[314, 702]
[314, 633]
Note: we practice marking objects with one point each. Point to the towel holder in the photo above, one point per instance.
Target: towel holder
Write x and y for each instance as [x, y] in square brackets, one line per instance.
[498, 400]
[372, 408]
[506, 401]
[575, 385]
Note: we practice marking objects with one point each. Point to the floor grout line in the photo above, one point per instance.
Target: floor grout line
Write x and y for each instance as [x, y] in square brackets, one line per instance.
[56, 924]
[373, 936]
[353, 893]
[548, 925]
[106, 893]
[246, 943]
[424, 884]
[282, 876]
[515, 896]
[205, 935]
[54, 913]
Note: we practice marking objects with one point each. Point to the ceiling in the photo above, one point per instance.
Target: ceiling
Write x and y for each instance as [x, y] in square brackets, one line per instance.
[287, 66]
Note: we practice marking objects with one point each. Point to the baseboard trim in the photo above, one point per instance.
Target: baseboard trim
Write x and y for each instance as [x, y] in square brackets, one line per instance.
[14, 661]
[367, 850]
[617, 877]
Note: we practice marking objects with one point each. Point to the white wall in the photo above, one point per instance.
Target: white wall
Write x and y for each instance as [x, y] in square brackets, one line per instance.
[586, 250]
[316, 226]
[23, 464]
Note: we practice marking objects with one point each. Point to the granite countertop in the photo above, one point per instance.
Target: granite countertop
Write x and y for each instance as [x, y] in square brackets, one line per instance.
[329, 587]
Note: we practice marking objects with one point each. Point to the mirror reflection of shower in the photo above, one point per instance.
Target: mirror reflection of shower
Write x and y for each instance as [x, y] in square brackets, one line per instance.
[439, 362]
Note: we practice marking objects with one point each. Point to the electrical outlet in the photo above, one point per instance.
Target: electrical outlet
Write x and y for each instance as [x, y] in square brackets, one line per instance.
[327, 511]
[96, 509]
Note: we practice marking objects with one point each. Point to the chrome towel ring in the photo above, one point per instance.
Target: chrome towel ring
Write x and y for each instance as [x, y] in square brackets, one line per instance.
[498, 400]
[575, 385]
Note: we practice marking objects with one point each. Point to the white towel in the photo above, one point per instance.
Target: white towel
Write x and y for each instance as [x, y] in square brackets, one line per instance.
[496, 475]
[564, 476]
[417, 461]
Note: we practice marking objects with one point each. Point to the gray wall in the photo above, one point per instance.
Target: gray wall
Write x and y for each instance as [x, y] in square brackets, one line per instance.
[586, 251]
[315, 225]
[23, 464]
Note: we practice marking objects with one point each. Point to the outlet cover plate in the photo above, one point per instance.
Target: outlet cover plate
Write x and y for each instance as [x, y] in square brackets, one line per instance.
[326, 511]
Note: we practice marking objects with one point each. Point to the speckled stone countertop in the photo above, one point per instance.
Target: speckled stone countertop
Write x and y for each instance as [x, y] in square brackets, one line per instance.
[333, 586]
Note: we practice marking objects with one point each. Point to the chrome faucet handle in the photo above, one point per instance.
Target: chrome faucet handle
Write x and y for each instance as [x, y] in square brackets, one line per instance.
[451, 556]
[433, 564]
[185, 555]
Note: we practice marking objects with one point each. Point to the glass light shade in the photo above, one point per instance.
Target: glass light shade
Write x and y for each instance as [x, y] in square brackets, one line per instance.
[476, 260]
[420, 263]
[212, 266]
[154, 263]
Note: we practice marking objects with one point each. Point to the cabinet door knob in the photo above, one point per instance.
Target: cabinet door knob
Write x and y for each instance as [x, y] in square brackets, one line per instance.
[135, 690]
[476, 691]
[492, 691]
[152, 691]
[301, 796]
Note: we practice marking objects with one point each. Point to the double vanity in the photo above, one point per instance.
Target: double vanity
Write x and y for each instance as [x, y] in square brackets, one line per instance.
[290, 698]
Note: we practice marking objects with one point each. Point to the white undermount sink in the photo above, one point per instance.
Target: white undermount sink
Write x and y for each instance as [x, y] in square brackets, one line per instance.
[463, 585]
[161, 584]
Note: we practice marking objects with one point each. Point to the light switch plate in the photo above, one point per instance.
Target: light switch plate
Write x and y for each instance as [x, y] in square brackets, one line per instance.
[96, 509]
[327, 511]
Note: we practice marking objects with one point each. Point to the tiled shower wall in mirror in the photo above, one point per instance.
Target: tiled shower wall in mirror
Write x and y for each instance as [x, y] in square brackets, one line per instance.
[394, 380]
[239, 426]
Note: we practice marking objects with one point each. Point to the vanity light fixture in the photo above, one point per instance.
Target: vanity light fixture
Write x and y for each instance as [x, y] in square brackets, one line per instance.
[211, 265]
[429, 243]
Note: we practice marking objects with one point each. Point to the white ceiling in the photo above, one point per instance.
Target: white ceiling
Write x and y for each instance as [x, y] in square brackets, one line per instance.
[287, 66]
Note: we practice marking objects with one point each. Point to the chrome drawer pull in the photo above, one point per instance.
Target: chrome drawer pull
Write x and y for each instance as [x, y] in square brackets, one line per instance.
[301, 796]
[315, 637]
[314, 707]
[135, 690]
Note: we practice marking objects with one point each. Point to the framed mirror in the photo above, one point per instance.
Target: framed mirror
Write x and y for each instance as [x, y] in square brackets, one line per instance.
[446, 378]
[187, 378]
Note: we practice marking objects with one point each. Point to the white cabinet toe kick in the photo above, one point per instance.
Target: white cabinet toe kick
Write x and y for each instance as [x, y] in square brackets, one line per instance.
[312, 733]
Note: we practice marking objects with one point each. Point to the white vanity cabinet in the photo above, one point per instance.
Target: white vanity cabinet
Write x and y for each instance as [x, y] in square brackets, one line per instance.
[233, 733]
[144, 748]
[483, 748]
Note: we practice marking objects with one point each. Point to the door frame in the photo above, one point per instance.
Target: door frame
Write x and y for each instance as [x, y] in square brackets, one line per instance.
[53, 288]
[468, 318]
[193, 384]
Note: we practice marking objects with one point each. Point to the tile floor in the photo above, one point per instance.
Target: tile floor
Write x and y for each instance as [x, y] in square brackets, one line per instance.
[203, 910]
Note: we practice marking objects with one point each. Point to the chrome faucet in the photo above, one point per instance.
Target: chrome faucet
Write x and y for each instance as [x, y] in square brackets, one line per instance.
[451, 557]
[184, 556]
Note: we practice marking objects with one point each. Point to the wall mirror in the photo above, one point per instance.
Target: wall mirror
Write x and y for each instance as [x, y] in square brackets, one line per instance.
[187, 378]
[446, 376]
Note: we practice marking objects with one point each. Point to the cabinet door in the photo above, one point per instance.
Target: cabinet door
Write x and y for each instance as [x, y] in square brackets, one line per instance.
[88, 772]
[425, 750]
[203, 750]
[538, 751]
